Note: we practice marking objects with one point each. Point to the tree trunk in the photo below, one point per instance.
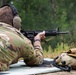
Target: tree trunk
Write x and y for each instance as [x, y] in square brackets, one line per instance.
[53, 8]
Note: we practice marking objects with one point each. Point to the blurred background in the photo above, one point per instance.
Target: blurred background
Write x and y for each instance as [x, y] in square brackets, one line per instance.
[48, 15]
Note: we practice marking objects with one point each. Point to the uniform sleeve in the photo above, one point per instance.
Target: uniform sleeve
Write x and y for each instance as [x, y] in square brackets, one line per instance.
[32, 56]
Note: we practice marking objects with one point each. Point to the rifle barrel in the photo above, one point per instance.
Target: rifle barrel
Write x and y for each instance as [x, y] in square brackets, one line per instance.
[63, 32]
[54, 33]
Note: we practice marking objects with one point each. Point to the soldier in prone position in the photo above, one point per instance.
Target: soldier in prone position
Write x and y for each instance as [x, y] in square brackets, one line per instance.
[14, 45]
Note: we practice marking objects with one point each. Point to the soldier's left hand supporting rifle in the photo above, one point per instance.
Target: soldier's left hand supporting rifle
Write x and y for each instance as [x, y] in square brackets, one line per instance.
[30, 34]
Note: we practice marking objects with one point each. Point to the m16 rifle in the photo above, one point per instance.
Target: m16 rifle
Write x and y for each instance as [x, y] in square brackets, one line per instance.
[31, 34]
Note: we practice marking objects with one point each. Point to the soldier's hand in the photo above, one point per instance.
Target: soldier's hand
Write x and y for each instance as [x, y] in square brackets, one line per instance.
[40, 35]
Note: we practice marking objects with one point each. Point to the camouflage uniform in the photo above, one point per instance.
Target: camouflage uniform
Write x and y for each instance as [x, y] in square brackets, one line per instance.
[13, 45]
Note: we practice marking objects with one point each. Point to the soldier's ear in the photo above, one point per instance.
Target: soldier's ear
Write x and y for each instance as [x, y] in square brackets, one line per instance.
[17, 22]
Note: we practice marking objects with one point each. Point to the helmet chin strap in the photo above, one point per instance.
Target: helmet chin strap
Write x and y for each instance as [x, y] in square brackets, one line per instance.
[62, 67]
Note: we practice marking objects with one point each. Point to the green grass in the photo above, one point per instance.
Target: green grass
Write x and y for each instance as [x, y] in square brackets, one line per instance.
[52, 53]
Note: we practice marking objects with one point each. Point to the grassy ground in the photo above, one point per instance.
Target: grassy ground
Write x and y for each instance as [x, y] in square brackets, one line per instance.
[52, 53]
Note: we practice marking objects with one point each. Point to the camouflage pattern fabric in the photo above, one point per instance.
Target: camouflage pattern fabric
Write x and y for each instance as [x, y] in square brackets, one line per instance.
[14, 45]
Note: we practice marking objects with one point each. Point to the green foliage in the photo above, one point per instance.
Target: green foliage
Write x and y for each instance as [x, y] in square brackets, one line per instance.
[35, 14]
[61, 47]
[52, 53]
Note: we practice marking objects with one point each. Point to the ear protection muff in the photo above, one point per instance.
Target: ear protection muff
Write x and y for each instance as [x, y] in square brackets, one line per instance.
[17, 22]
